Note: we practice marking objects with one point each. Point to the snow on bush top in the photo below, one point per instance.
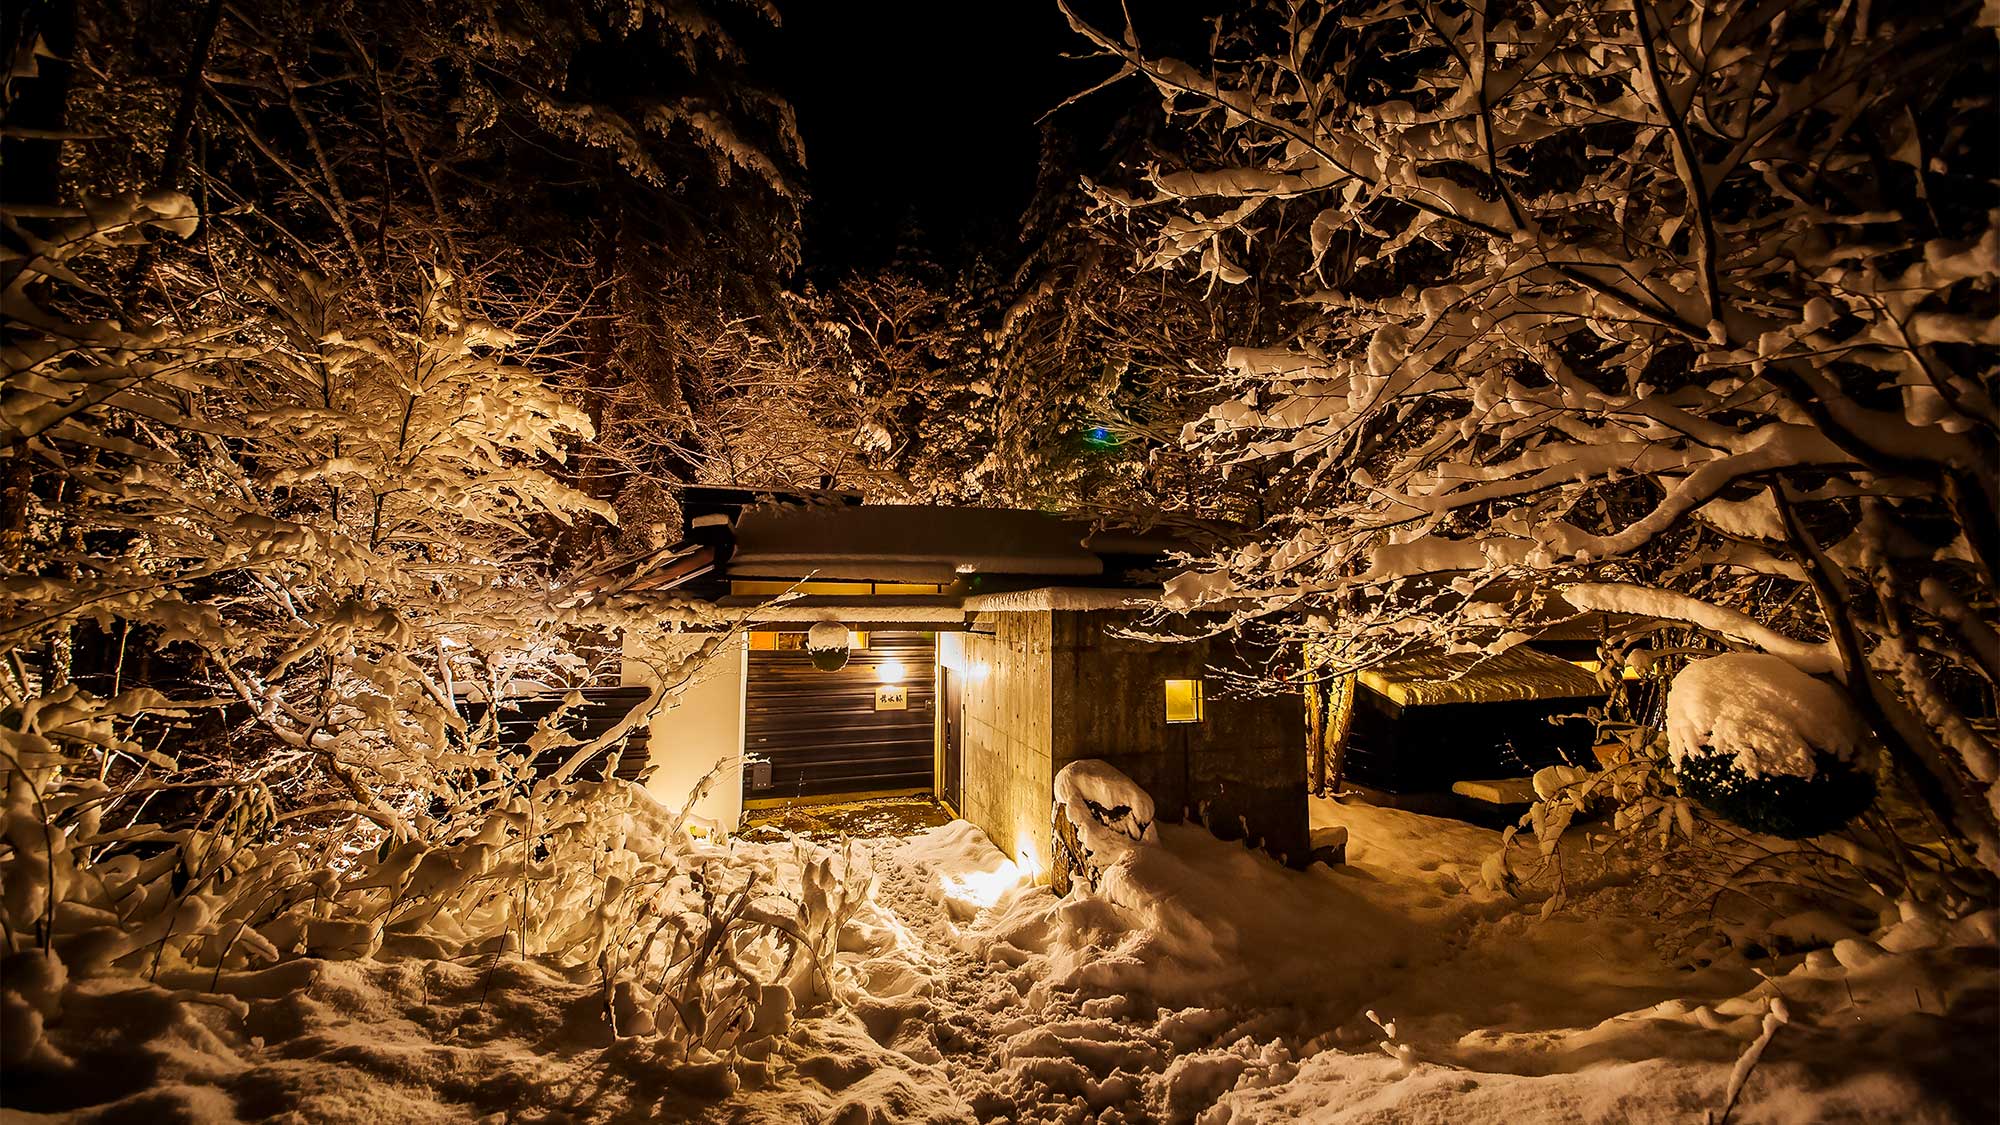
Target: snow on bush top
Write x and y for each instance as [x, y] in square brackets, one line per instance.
[1761, 710]
[1098, 782]
[1104, 805]
[827, 636]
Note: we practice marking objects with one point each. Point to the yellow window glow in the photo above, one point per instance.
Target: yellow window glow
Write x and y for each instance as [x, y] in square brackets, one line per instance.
[1184, 701]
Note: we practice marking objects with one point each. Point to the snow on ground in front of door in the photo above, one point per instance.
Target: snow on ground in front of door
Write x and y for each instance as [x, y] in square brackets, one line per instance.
[1202, 982]
[830, 822]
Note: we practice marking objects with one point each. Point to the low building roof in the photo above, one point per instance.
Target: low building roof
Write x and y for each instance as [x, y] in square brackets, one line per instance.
[907, 543]
[1517, 674]
[963, 560]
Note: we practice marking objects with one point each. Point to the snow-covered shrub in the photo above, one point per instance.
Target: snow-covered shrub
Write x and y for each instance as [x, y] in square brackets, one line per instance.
[333, 521]
[1099, 814]
[287, 522]
[1736, 865]
[1761, 713]
[1767, 746]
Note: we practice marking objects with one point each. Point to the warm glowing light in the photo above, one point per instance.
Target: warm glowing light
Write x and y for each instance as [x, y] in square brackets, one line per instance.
[980, 888]
[1024, 857]
[1627, 672]
[980, 669]
[890, 671]
[1184, 701]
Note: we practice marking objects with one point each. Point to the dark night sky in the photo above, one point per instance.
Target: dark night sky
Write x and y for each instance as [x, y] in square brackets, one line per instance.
[922, 111]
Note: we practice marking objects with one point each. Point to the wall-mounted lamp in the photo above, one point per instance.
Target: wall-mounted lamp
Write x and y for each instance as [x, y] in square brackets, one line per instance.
[890, 671]
[1184, 701]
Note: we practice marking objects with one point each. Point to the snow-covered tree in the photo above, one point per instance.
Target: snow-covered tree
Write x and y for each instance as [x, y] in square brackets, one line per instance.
[1679, 310]
[289, 460]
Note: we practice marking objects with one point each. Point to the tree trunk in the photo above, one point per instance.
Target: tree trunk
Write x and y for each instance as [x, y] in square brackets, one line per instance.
[36, 116]
[1910, 745]
[178, 134]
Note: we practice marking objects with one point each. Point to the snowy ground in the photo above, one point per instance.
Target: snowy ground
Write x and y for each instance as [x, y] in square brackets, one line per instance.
[1202, 983]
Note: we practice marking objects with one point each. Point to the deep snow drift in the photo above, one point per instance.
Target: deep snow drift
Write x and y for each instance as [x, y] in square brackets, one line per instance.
[1201, 982]
[1204, 982]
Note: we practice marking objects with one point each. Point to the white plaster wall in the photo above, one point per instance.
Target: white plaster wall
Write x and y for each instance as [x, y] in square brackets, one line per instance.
[704, 729]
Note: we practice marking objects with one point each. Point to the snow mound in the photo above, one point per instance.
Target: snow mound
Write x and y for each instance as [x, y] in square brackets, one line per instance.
[1202, 982]
[967, 874]
[1178, 917]
[1763, 712]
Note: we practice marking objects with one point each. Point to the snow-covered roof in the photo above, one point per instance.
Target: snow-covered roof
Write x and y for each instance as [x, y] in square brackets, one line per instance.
[1065, 598]
[879, 614]
[1517, 674]
[910, 543]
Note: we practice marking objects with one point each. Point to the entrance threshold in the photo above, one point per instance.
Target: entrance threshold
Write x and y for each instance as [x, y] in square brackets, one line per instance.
[760, 804]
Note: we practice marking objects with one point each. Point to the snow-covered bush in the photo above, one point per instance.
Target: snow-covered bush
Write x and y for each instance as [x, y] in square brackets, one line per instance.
[1677, 315]
[1099, 814]
[1767, 746]
[332, 525]
[290, 514]
[1762, 714]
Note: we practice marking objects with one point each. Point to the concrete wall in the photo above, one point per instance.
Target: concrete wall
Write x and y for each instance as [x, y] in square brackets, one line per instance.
[702, 732]
[1241, 771]
[1045, 689]
[1007, 775]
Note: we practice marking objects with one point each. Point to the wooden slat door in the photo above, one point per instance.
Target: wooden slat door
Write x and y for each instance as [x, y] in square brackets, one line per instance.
[821, 731]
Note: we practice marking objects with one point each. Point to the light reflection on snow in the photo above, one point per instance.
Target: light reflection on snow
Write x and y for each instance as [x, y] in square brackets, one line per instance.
[1024, 855]
[980, 888]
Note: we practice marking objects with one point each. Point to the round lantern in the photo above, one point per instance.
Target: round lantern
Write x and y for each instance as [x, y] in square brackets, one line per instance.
[827, 644]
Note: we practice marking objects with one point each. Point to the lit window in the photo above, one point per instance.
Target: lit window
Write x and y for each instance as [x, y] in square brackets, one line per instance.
[1183, 701]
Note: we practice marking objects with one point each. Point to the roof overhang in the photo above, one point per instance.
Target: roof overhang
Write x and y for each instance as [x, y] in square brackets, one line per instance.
[856, 612]
[1063, 598]
[907, 543]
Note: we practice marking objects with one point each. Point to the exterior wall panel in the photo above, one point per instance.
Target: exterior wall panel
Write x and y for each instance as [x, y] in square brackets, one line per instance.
[1006, 761]
[699, 740]
[1240, 770]
[822, 731]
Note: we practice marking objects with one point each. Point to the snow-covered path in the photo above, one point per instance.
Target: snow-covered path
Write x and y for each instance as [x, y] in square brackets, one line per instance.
[974, 1005]
[1204, 983]
[1015, 1048]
